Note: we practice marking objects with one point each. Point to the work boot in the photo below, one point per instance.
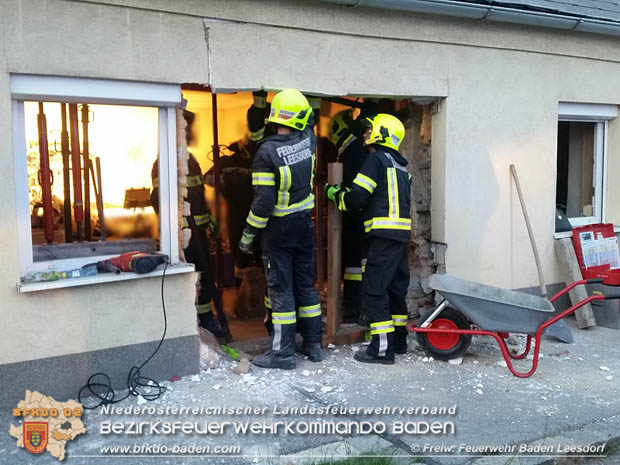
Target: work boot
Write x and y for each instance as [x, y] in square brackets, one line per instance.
[206, 321]
[313, 350]
[363, 356]
[400, 349]
[400, 343]
[272, 360]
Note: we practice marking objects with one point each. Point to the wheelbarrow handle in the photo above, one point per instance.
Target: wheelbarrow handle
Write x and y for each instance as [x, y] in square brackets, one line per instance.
[573, 285]
[612, 296]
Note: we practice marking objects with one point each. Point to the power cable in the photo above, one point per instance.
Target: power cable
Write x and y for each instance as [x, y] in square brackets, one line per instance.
[102, 390]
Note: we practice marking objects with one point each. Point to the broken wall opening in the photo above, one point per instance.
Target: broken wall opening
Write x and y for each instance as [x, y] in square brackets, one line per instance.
[426, 256]
[244, 303]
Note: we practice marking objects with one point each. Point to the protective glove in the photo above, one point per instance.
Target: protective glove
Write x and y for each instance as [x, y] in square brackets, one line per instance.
[212, 226]
[247, 239]
[260, 98]
[331, 192]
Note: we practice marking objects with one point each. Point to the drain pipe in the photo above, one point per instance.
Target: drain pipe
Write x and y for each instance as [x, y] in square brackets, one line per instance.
[481, 12]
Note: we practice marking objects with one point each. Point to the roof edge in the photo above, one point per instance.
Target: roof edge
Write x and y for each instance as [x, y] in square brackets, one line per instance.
[489, 12]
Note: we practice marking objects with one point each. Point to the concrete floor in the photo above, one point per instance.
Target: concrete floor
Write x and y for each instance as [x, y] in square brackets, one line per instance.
[571, 399]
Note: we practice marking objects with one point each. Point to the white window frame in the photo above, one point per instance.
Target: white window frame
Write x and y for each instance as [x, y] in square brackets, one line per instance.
[600, 114]
[166, 97]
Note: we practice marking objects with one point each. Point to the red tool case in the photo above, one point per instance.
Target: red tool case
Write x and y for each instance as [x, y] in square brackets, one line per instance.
[610, 277]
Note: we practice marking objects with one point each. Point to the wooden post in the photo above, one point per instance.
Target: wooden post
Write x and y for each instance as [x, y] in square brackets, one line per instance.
[86, 156]
[66, 175]
[76, 167]
[566, 253]
[530, 233]
[334, 255]
[318, 181]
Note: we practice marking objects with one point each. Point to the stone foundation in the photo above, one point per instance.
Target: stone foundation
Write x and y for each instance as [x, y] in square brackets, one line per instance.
[425, 257]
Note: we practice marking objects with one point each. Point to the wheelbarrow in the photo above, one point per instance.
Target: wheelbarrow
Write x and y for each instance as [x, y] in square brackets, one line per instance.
[474, 309]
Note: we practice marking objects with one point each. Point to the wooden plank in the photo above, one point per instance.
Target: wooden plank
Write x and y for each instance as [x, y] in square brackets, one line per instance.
[566, 253]
[530, 233]
[91, 249]
[334, 256]
[348, 335]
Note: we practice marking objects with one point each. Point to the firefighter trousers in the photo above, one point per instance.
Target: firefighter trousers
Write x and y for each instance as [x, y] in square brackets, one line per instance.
[353, 258]
[386, 280]
[288, 256]
[197, 252]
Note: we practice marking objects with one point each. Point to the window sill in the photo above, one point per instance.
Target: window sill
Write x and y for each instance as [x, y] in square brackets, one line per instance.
[563, 235]
[105, 278]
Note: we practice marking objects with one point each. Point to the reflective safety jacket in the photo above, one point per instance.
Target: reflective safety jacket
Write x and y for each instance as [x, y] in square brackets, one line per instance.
[351, 152]
[194, 182]
[382, 189]
[256, 121]
[235, 171]
[282, 176]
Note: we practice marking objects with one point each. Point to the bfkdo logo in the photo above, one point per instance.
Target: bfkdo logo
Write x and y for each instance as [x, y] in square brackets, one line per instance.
[46, 424]
[35, 436]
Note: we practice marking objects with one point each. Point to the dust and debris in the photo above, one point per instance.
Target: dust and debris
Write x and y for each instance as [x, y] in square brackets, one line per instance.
[479, 387]
[242, 367]
[562, 353]
[210, 351]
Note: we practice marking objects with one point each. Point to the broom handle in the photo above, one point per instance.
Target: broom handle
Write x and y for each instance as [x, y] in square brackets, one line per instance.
[541, 277]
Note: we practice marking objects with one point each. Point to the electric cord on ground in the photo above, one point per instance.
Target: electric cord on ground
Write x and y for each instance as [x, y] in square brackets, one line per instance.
[99, 386]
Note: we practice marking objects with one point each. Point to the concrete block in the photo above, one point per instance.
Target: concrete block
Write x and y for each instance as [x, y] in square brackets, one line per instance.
[566, 255]
[607, 312]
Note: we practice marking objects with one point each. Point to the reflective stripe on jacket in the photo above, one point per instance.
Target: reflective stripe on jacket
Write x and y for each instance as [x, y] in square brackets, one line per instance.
[382, 189]
[282, 176]
[194, 182]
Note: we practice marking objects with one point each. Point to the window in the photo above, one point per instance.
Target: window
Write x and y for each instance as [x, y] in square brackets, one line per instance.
[581, 160]
[97, 140]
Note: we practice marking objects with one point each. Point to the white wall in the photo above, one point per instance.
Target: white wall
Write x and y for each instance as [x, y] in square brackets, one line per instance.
[72, 39]
[501, 108]
[502, 83]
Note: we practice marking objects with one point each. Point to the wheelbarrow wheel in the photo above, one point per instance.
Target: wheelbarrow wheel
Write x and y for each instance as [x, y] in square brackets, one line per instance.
[445, 346]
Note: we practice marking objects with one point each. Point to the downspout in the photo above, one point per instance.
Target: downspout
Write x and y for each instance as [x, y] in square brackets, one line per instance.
[491, 13]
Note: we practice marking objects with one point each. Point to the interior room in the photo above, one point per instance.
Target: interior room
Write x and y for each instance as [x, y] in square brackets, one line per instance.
[117, 147]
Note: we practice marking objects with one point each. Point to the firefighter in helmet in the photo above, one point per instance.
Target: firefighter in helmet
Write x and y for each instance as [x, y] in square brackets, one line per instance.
[346, 135]
[203, 225]
[382, 190]
[282, 175]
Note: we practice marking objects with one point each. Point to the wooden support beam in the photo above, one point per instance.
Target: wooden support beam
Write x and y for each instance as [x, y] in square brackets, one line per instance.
[566, 254]
[91, 249]
[346, 335]
[334, 255]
